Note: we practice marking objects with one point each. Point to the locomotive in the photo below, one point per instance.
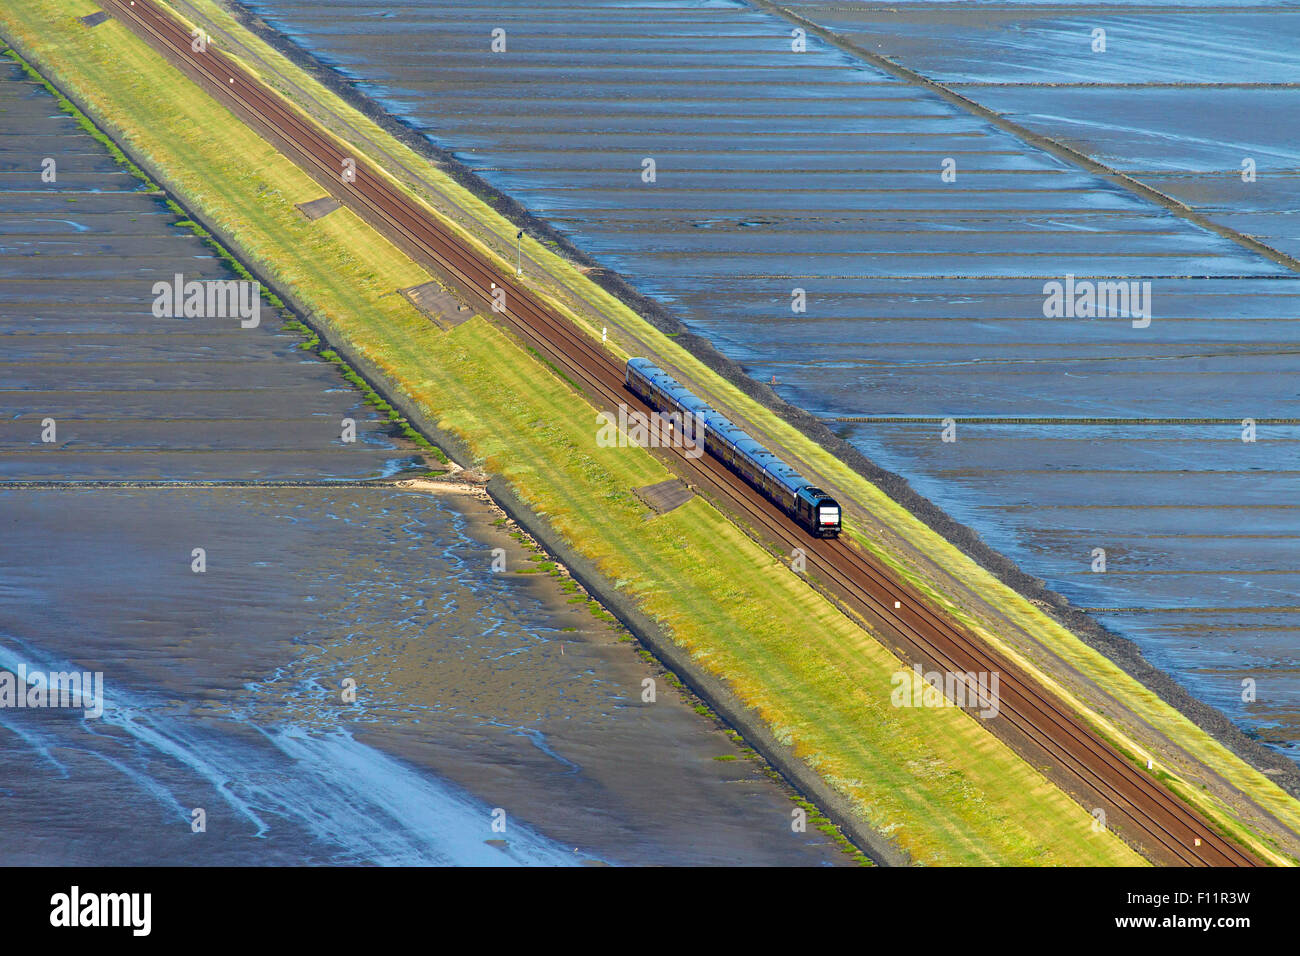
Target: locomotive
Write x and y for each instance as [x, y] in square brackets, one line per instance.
[808, 505]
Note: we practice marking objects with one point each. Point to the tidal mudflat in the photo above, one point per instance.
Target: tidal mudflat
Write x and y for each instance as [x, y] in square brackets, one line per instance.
[225, 691]
[132, 394]
[1199, 103]
[323, 674]
[777, 171]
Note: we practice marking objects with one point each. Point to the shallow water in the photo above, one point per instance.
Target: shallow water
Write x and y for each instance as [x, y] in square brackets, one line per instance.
[1180, 98]
[133, 395]
[224, 691]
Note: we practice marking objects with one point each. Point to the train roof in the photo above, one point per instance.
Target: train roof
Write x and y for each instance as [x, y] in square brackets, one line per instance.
[721, 426]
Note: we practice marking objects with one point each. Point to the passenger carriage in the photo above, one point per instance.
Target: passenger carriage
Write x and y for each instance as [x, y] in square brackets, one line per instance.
[811, 507]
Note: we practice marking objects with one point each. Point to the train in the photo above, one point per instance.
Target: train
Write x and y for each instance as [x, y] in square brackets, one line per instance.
[809, 506]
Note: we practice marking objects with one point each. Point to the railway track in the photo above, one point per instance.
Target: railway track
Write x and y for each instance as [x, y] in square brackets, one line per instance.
[1031, 720]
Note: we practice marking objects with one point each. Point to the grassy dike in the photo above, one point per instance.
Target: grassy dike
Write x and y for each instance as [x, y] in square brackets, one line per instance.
[930, 779]
[1138, 721]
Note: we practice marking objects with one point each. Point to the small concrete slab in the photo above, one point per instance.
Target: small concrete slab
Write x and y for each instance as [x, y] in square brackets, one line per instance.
[94, 19]
[438, 304]
[666, 495]
[319, 208]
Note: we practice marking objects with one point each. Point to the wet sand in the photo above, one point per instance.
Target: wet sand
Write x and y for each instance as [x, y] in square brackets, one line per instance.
[487, 684]
[1178, 99]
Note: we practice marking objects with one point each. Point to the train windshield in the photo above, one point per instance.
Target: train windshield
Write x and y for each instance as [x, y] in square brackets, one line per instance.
[829, 515]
